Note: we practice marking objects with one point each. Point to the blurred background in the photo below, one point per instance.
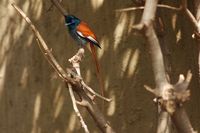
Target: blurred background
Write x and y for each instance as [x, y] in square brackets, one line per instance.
[33, 99]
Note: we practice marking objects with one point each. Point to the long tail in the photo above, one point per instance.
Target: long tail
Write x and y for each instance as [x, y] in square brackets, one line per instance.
[98, 72]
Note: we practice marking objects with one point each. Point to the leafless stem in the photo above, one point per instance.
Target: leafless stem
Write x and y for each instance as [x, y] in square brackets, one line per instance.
[87, 100]
[76, 59]
[59, 7]
[44, 48]
[94, 93]
[94, 111]
[195, 20]
[76, 109]
[157, 60]
[197, 8]
[171, 97]
[155, 51]
[51, 6]
[190, 16]
[142, 8]
[178, 118]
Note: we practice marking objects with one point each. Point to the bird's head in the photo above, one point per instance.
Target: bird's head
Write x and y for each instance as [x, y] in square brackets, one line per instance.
[71, 21]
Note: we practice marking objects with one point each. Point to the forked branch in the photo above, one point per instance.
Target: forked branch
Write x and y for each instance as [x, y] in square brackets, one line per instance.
[170, 97]
[74, 82]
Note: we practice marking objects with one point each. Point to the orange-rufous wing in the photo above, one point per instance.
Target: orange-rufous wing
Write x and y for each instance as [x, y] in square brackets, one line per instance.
[84, 31]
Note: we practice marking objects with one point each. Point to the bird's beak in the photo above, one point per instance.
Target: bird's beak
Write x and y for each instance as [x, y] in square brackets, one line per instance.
[68, 24]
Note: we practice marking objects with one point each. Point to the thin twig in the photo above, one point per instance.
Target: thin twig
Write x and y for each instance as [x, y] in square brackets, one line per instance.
[76, 109]
[87, 100]
[142, 7]
[51, 6]
[95, 93]
[190, 16]
[59, 7]
[75, 61]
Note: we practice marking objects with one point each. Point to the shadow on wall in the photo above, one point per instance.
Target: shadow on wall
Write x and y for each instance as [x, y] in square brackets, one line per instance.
[32, 97]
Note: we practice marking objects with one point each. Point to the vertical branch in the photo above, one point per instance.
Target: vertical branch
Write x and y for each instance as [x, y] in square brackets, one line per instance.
[157, 59]
[171, 97]
[197, 9]
[155, 51]
[164, 122]
[196, 24]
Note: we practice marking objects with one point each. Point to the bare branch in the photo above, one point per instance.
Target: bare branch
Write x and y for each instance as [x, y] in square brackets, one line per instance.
[44, 48]
[59, 7]
[154, 91]
[76, 109]
[197, 9]
[196, 24]
[190, 16]
[87, 100]
[74, 80]
[155, 51]
[95, 93]
[138, 27]
[188, 76]
[142, 8]
[184, 4]
[157, 61]
[182, 121]
[51, 6]
[163, 120]
[89, 103]
[76, 59]
[171, 96]
[92, 108]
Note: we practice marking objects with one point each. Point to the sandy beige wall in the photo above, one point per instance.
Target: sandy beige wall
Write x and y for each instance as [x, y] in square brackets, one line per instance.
[34, 100]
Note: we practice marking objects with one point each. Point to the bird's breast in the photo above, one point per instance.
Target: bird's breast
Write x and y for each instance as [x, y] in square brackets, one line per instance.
[78, 39]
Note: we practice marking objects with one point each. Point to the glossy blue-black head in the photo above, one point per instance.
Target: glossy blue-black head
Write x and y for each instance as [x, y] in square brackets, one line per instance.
[71, 21]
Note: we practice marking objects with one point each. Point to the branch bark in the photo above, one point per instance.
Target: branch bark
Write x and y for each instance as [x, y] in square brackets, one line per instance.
[59, 7]
[170, 97]
[142, 7]
[157, 61]
[197, 8]
[86, 99]
[76, 108]
[195, 20]
[94, 111]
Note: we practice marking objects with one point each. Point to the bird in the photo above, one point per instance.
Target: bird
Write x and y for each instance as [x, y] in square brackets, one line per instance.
[83, 35]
